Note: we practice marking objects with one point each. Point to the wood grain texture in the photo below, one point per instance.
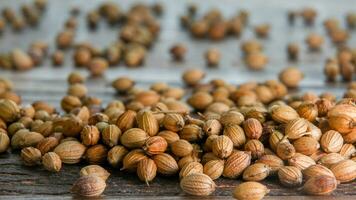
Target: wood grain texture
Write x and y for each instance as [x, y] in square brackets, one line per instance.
[48, 83]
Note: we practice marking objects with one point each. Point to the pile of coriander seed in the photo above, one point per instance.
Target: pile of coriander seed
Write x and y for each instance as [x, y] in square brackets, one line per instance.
[252, 131]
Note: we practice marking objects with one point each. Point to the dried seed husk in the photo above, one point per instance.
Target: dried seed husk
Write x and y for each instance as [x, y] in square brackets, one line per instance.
[187, 159]
[190, 168]
[212, 127]
[315, 131]
[191, 133]
[317, 155]
[166, 164]
[4, 142]
[272, 161]
[256, 172]
[155, 145]
[331, 141]
[236, 163]
[347, 150]
[316, 170]
[222, 146]
[200, 100]
[94, 170]
[47, 144]
[169, 136]
[116, 155]
[123, 84]
[255, 147]
[14, 127]
[134, 138]
[193, 76]
[296, 128]
[350, 137]
[283, 113]
[78, 90]
[31, 156]
[290, 176]
[111, 135]
[147, 122]
[21, 60]
[236, 134]
[9, 110]
[89, 186]
[329, 159]
[274, 138]
[51, 162]
[132, 158]
[253, 128]
[181, 148]
[344, 171]
[69, 103]
[126, 120]
[146, 170]
[45, 128]
[320, 185]
[69, 126]
[70, 152]
[301, 161]
[25, 138]
[208, 143]
[90, 135]
[231, 118]
[197, 184]
[308, 111]
[306, 145]
[96, 154]
[341, 123]
[173, 122]
[214, 169]
[250, 191]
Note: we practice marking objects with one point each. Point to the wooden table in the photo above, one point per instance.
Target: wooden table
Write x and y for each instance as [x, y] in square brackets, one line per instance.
[48, 83]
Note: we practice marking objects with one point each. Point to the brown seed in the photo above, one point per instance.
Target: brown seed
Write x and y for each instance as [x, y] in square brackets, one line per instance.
[290, 176]
[97, 66]
[79, 90]
[197, 184]
[347, 150]
[314, 41]
[123, 84]
[47, 144]
[187, 159]
[291, 77]
[178, 52]
[331, 141]
[51, 162]
[306, 145]
[132, 158]
[190, 168]
[255, 147]
[25, 138]
[31, 156]
[9, 111]
[116, 155]
[250, 191]
[273, 162]
[222, 146]
[126, 120]
[4, 142]
[256, 60]
[173, 122]
[236, 134]
[308, 111]
[181, 148]
[316, 170]
[155, 145]
[21, 60]
[212, 57]
[147, 98]
[297, 128]
[285, 150]
[344, 171]
[253, 128]
[89, 186]
[256, 172]
[147, 122]
[320, 185]
[212, 127]
[94, 170]
[146, 170]
[329, 159]
[69, 103]
[169, 136]
[191, 133]
[193, 76]
[96, 154]
[90, 135]
[231, 118]
[57, 58]
[283, 113]
[274, 138]
[64, 39]
[70, 152]
[134, 138]
[200, 100]
[301, 161]
[166, 165]
[111, 135]
[236, 163]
